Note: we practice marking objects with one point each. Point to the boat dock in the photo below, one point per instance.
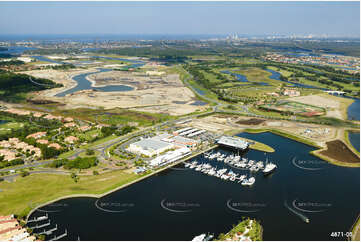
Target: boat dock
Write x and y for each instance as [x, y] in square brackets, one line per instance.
[60, 236]
[40, 226]
[39, 219]
[50, 231]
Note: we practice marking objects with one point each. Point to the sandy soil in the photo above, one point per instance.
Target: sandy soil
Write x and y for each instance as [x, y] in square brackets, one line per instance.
[333, 107]
[222, 123]
[165, 94]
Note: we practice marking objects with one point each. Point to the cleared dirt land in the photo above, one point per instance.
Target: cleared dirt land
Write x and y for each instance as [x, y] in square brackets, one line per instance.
[155, 94]
[339, 151]
[335, 106]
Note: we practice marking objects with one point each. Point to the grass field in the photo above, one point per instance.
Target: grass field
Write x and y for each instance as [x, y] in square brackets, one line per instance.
[6, 127]
[115, 116]
[295, 107]
[284, 134]
[21, 196]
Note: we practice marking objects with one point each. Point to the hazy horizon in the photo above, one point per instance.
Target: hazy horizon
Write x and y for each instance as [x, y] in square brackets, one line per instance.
[335, 19]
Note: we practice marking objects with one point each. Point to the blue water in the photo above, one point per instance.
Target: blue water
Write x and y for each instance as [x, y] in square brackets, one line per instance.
[243, 78]
[42, 58]
[276, 76]
[353, 111]
[354, 138]
[135, 212]
[199, 91]
[84, 84]
[16, 50]
[239, 77]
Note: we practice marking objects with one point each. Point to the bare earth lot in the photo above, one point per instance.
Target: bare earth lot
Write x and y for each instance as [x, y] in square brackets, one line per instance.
[156, 94]
[333, 105]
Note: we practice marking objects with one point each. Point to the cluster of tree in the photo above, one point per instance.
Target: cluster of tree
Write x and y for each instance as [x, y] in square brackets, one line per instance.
[11, 62]
[63, 67]
[14, 162]
[106, 131]
[77, 163]
[14, 85]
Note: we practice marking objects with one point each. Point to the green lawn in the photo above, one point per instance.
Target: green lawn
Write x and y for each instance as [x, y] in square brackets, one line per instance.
[21, 196]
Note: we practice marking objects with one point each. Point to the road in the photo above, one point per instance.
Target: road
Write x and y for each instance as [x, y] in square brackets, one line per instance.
[11, 177]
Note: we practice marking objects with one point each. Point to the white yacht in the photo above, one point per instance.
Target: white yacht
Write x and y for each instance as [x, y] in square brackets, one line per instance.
[248, 182]
[269, 168]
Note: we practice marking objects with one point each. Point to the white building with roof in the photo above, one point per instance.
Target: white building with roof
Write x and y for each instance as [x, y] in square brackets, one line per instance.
[149, 147]
[169, 157]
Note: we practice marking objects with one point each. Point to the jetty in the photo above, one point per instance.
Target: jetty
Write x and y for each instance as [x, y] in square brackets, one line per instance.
[50, 231]
[41, 218]
[60, 236]
[40, 226]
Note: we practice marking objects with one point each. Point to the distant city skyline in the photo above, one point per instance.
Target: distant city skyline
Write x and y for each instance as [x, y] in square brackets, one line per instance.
[333, 19]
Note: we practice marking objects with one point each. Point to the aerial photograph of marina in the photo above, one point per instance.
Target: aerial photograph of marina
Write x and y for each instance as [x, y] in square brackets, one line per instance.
[179, 121]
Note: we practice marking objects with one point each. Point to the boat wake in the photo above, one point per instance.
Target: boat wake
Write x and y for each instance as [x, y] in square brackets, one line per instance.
[303, 217]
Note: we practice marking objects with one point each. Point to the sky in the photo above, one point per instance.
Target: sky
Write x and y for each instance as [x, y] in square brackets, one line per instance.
[340, 19]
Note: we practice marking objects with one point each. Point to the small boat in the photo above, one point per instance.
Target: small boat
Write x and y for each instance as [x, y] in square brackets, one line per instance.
[248, 182]
[269, 168]
[212, 172]
[203, 237]
[199, 167]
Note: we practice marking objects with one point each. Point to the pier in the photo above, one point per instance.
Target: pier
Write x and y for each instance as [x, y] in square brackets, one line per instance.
[39, 219]
[50, 231]
[60, 236]
[40, 226]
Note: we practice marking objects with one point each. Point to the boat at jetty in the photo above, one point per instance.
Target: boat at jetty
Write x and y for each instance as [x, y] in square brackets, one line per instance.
[248, 182]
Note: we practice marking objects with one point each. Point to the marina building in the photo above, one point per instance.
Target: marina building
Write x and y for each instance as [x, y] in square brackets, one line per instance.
[169, 157]
[177, 140]
[233, 142]
[149, 147]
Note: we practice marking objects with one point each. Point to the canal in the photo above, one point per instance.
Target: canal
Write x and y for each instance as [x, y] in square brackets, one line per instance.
[180, 203]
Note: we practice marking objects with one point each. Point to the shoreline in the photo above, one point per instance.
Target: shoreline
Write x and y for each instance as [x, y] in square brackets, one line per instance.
[94, 85]
[315, 153]
[117, 188]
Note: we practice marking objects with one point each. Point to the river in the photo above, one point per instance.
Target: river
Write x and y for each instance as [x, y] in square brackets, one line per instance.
[84, 84]
[179, 203]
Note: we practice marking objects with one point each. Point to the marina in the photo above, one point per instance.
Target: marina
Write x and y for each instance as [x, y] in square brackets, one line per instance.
[201, 198]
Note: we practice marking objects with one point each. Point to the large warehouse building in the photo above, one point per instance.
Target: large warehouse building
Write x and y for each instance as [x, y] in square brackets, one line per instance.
[149, 147]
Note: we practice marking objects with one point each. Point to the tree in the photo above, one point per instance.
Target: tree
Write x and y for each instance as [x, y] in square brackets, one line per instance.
[25, 173]
[95, 173]
[90, 152]
[74, 177]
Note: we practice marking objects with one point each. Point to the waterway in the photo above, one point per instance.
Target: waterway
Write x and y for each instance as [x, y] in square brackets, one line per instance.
[84, 84]
[276, 76]
[180, 203]
[354, 138]
[243, 78]
[353, 111]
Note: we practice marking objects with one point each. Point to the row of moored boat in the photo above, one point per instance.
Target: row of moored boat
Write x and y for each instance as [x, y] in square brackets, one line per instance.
[242, 163]
[223, 174]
